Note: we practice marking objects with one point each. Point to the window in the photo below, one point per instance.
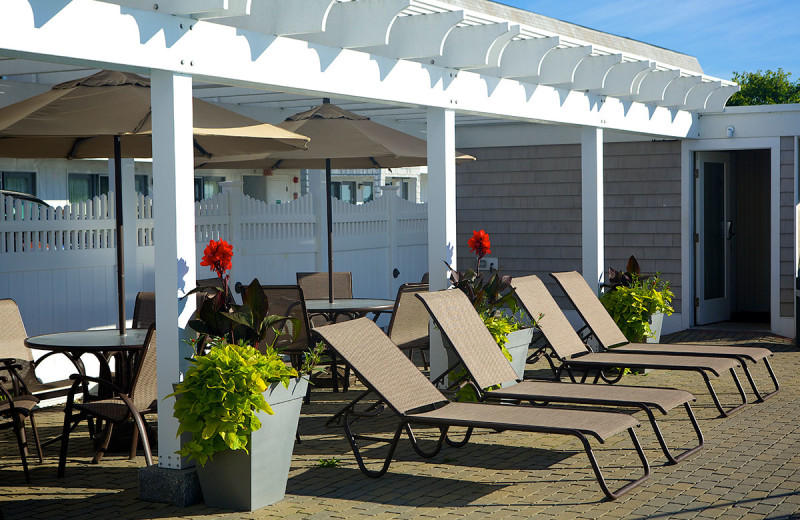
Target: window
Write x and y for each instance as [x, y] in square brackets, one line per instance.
[366, 192]
[344, 191]
[24, 182]
[404, 190]
[142, 184]
[84, 186]
[206, 187]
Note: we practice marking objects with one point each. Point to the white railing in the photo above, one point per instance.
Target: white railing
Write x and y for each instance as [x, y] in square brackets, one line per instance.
[59, 263]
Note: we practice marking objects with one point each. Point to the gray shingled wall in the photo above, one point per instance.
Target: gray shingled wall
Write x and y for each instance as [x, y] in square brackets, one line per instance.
[787, 273]
[528, 199]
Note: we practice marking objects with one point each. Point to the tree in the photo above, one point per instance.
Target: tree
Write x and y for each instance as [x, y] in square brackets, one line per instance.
[765, 88]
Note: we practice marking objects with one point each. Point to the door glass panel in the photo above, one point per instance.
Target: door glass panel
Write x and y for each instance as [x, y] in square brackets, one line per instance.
[714, 230]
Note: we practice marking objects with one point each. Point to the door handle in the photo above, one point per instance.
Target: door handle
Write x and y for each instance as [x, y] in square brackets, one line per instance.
[730, 233]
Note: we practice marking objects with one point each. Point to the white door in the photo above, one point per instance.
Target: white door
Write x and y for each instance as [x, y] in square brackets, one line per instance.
[714, 231]
[278, 190]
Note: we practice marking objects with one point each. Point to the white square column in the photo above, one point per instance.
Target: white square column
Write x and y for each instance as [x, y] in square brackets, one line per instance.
[175, 252]
[441, 214]
[592, 205]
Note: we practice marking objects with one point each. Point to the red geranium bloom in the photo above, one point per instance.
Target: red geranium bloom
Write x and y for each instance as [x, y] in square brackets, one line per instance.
[479, 243]
[218, 255]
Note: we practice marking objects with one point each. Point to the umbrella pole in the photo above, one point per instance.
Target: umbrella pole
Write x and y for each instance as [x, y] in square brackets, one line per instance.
[120, 224]
[330, 228]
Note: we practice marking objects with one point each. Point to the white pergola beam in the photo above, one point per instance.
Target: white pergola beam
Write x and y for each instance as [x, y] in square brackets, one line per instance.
[624, 78]
[590, 74]
[523, 58]
[559, 65]
[420, 36]
[654, 84]
[717, 99]
[284, 17]
[216, 53]
[476, 46]
[677, 90]
[362, 23]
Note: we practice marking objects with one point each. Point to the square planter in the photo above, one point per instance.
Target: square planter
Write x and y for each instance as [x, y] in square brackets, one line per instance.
[234, 479]
[518, 343]
[656, 324]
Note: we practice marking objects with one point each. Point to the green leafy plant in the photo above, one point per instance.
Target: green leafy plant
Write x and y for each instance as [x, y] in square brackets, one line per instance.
[495, 302]
[329, 463]
[221, 394]
[632, 298]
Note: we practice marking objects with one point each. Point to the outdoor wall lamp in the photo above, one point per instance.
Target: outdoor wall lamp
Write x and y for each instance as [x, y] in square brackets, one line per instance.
[730, 130]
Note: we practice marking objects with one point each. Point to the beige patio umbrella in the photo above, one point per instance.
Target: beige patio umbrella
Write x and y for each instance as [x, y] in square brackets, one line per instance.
[339, 140]
[108, 115]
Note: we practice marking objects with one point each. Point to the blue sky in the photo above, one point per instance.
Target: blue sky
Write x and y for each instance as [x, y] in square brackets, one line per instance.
[724, 35]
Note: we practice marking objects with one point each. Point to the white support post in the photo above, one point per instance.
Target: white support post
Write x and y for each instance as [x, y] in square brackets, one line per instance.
[441, 214]
[176, 273]
[129, 231]
[233, 191]
[592, 204]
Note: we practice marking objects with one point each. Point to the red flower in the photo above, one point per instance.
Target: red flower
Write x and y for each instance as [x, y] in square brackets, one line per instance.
[479, 243]
[217, 255]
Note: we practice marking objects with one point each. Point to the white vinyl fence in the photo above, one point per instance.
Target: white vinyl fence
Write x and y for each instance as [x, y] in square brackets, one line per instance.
[59, 264]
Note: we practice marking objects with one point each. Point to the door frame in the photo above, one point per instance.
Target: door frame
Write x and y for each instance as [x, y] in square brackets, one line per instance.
[718, 309]
[688, 149]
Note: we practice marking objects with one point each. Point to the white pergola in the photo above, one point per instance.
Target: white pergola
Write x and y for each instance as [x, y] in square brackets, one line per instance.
[416, 65]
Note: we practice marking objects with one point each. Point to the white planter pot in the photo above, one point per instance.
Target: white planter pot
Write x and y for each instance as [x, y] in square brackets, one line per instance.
[656, 324]
[234, 479]
[518, 343]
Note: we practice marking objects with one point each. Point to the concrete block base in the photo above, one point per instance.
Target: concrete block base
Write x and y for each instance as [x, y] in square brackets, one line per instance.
[178, 487]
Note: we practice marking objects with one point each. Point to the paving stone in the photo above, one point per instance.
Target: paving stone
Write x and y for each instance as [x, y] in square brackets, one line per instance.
[749, 467]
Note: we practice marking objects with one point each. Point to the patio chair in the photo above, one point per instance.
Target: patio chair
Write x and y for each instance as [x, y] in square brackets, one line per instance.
[143, 398]
[486, 366]
[315, 287]
[287, 300]
[408, 328]
[144, 310]
[14, 409]
[572, 353]
[600, 325]
[13, 351]
[397, 382]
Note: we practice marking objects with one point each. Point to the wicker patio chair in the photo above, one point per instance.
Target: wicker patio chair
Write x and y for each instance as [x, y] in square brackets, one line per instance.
[486, 366]
[600, 325]
[14, 409]
[143, 398]
[144, 310]
[570, 351]
[13, 351]
[408, 328]
[395, 381]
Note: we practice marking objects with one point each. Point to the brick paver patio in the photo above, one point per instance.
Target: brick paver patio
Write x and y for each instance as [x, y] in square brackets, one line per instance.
[749, 468]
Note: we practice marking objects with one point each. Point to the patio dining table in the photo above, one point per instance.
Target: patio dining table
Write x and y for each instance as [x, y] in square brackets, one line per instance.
[103, 344]
[352, 307]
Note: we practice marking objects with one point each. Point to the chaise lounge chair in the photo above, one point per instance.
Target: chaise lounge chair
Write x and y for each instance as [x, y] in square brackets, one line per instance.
[397, 382]
[573, 354]
[486, 366]
[602, 327]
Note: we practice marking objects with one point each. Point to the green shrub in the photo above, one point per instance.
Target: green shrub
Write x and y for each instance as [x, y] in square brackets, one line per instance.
[222, 392]
[632, 306]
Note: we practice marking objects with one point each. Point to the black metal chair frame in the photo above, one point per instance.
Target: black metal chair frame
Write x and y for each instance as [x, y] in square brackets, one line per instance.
[18, 414]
